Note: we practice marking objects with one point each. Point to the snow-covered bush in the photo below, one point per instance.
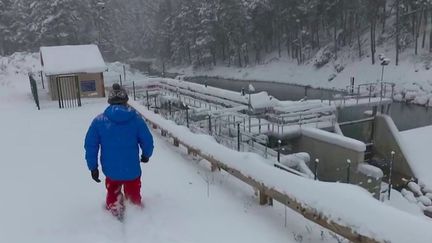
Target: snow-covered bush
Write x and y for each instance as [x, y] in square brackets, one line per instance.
[339, 67]
[331, 77]
[323, 57]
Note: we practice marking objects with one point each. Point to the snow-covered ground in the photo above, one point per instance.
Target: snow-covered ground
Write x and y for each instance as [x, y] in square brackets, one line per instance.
[413, 76]
[48, 195]
[417, 142]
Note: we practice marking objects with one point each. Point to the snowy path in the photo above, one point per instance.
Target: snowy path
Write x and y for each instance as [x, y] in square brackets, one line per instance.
[48, 195]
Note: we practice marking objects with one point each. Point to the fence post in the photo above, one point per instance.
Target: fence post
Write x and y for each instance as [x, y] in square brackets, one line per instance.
[121, 83]
[238, 137]
[316, 169]
[124, 73]
[155, 101]
[169, 108]
[58, 92]
[370, 92]
[187, 116]
[43, 83]
[148, 102]
[358, 93]
[34, 90]
[259, 125]
[348, 170]
[134, 91]
[390, 174]
[209, 124]
[249, 123]
[78, 91]
[279, 150]
[381, 91]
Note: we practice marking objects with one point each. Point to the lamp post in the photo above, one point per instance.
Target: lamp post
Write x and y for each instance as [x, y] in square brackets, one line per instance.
[384, 62]
[251, 89]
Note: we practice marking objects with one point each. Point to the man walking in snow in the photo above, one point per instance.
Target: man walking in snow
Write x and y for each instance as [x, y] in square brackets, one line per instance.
[119, 132]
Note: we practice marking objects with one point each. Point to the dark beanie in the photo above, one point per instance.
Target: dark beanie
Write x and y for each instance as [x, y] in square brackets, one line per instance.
[117, 96]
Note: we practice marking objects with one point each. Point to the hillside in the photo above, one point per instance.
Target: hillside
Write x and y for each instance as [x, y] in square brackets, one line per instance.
[412, 76]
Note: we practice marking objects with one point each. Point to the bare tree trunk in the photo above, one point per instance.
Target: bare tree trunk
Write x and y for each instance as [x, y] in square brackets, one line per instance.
[239, 55]
[430, 36]
[372, 36]
[384, 17]
[317, 35]
[279, 31]
[246, 55]
[288, 38]
[257, 54]
[397, 31]
[335, 40]
[223, 51]
[344, 23]
[189, 54]
[358, 35]
[351, 27]
[425, 23]
[300, 48]
[417, 29]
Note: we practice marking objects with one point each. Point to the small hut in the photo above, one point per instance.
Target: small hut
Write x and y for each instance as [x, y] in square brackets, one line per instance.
[73, 71]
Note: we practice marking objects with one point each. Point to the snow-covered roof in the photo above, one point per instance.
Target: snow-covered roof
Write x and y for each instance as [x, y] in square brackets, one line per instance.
[72, 59]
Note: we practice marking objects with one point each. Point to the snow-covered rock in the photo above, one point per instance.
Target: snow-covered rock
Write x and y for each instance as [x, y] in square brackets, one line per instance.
[428, 211]
[427, 189]
[370, 170]
[415, 188]
[425, 201]
[428, 195]
[409, 195]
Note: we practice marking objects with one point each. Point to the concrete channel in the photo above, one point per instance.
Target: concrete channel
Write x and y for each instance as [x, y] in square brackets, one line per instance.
[331, 156]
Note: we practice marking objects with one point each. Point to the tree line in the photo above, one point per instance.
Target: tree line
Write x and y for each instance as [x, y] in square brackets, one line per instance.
[204, 33]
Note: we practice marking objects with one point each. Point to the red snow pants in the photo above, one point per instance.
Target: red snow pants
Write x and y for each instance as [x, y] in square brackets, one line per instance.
[114, 199]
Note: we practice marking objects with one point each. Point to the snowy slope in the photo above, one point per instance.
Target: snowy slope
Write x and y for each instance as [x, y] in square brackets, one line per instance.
[413, 76]
[417, 142]
[48, 195]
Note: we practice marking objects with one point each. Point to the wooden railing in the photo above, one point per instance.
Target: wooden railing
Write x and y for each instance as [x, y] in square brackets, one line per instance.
[266, 193]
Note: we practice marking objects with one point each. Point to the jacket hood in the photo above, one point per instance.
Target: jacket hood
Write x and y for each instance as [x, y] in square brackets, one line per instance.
[119, 113]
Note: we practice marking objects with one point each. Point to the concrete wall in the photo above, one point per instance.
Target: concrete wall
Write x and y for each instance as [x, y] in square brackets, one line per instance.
[371, 184]
[332, 156]
[97, 77]
[100, 88]
[386, 139]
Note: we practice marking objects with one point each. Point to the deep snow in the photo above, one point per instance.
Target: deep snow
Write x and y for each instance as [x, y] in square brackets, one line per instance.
[49, 196]
[417, 142]
[413, 75]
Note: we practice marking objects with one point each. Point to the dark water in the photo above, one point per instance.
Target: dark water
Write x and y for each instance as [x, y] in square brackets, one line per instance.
[405, 116]
[277, 90]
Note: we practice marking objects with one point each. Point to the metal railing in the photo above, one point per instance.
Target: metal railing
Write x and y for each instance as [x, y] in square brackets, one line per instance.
[369, 91]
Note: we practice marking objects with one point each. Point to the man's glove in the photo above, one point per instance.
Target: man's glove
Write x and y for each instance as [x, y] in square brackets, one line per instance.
[144, 159]
[95, 175]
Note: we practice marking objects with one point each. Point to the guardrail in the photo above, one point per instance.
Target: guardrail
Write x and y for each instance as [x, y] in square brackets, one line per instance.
[267, 193]
[370, 90]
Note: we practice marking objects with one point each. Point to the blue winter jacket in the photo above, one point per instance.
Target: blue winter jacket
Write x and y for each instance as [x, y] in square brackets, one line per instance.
[118, 132]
